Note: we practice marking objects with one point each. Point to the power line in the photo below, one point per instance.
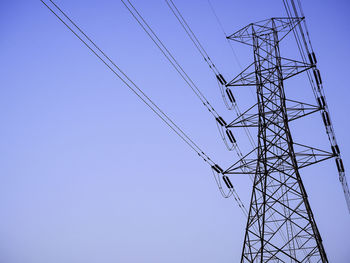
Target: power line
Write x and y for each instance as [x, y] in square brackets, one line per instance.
[127, 81]
[224, 32]
[96, 50]
[165, 51]
[211, 65]
[145, 26]
[318, 90]
[225, 91]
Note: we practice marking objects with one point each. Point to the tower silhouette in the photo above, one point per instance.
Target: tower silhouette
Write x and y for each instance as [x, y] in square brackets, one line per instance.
[281, 225]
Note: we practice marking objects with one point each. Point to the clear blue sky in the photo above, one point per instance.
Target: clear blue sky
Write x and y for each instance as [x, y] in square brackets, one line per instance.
[89, 174]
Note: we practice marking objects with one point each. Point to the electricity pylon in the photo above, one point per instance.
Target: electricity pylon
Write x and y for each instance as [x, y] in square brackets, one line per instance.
[281, 226]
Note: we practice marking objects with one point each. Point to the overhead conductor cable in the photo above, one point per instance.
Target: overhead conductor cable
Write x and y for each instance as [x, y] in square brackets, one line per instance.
[165, 51]
[179, 69]
[317, 87]
[225, 91]
[91, 45]
[126, 80]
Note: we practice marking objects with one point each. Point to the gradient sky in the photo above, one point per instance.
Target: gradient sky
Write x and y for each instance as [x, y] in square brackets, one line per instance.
[89, 174]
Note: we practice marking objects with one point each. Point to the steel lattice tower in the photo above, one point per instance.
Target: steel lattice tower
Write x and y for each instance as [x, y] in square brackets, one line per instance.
[280, 226]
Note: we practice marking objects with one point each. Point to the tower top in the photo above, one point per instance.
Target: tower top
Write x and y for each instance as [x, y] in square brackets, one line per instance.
[265, 27]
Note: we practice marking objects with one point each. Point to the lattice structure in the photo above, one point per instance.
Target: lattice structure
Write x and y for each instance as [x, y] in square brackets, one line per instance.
[280, 226]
